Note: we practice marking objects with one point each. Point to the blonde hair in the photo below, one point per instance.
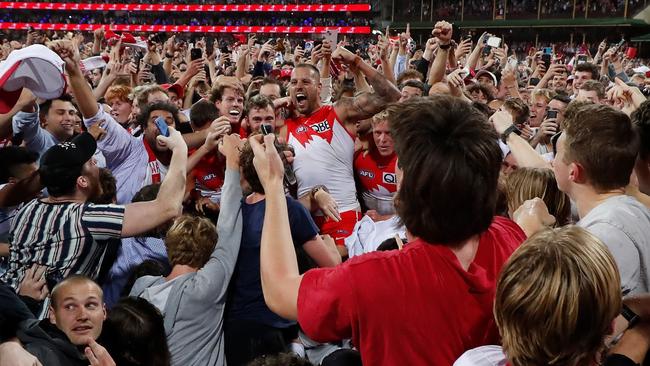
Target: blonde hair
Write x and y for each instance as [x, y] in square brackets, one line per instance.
[527, 183]
[190, 241]
[556, 299]
[547, 94]
[379, 118]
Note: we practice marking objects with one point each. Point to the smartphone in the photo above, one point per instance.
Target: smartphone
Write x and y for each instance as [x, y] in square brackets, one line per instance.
[620, 44]
[137, 58]
[546, 59]
[547, 50]
[309, 45]
[196, 54]
[551, 114]
[289, 175]
[581, 59]
[162, 126]
[494, 42]
[332, 36]
[266, 128]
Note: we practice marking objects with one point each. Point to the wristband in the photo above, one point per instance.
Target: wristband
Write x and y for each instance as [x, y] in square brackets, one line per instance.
[631, 317]
[445, 46]
[508, 131]
[169, 55]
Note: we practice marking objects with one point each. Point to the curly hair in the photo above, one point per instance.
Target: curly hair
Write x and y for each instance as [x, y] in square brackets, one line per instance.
[143, 117]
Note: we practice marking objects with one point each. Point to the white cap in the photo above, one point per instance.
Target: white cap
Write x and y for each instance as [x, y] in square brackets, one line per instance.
[36, 68]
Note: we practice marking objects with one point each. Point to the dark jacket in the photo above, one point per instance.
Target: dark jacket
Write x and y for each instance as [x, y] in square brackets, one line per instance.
[50, 345]
[12, 312]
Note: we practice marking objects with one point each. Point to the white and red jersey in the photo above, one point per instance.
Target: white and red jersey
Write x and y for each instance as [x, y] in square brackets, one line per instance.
[377, 177]
[324, 155]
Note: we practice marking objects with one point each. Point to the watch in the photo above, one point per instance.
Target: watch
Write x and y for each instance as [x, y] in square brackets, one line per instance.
[508, 131]
[444, 46]
[318, 188]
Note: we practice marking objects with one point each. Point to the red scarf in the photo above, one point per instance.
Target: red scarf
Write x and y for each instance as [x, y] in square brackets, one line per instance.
[153, 163]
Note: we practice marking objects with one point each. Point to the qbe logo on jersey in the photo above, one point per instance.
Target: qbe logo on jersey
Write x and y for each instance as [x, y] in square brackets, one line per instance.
[389, 178]
[321, 126]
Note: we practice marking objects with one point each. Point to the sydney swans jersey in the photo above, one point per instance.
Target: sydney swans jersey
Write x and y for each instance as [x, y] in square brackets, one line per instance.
[324, 155]
[377, 177]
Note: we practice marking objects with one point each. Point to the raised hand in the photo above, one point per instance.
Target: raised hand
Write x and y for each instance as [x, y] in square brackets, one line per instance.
[501, 120]
[174, 142]
[443, 31]
[230, 147]
[533, 216]
[267, 161]
[464, 48]
[68, 53]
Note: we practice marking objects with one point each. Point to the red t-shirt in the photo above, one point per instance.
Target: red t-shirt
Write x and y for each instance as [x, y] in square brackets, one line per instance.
[411, 307]
[210, 171]
[376, 173]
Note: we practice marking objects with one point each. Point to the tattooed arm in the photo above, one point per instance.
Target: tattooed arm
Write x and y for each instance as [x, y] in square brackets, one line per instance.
[366, 105]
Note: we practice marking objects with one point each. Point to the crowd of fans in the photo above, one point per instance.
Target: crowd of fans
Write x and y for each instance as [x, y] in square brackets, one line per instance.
[516, 9]
[322, 201]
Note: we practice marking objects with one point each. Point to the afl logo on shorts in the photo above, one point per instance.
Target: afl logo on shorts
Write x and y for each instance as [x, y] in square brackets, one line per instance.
[389, 178]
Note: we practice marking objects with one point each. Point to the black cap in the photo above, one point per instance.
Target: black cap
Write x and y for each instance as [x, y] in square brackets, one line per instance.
[66, 159]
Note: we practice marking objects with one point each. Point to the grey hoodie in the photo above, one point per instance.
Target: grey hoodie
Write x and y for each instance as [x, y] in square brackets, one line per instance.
[193, 304]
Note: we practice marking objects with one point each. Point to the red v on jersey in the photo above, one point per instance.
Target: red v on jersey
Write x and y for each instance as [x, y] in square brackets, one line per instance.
[318, 124]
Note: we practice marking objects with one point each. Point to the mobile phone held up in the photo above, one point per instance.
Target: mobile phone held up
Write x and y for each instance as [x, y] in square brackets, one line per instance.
[546, 59]
[196, 53]
[161, 124]
[289, 175]
[494, 42]
[266, 129]
[551, 114]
